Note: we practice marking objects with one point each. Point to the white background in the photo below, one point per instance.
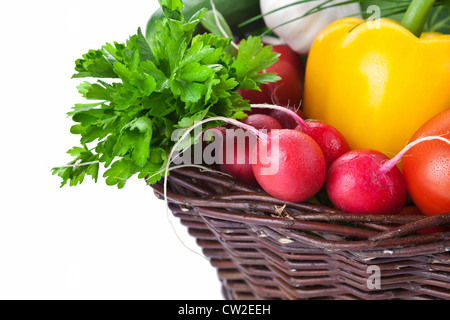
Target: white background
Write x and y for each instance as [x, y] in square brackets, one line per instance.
[91, 241]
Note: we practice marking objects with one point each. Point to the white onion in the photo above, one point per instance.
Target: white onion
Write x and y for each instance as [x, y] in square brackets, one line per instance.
[300, 34]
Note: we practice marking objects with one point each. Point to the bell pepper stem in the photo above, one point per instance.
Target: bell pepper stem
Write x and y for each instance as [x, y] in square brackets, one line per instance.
[416, 16]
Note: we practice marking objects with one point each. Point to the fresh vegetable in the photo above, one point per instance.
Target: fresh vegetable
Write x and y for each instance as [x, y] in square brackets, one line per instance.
[332, 143]
[284, 118]
[356, 183]
[377, 86]
[234, 13]
[416, 16]
[288, 91]
[289, 165]
[262, 121]
[156, 87]
[298, 33]
[237, 162]
[367, 181]
[177, 79]
[426, 167]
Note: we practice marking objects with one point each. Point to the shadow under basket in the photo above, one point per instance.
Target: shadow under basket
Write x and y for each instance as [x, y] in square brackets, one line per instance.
[265, 248]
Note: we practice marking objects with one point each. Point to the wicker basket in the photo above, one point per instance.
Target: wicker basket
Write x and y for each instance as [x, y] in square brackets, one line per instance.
[265, 248]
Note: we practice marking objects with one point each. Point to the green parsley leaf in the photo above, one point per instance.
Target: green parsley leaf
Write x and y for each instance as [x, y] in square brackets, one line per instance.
[168, 82]
[74, 173]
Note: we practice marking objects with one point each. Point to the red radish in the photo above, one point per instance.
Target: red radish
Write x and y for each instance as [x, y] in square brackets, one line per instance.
[289, 165]
[188, 131]
[262, 121]
[239, 166]
[366, 181]
[356, 184]
[210, 154]
[284, 118]
[330, 140]
[332, 143]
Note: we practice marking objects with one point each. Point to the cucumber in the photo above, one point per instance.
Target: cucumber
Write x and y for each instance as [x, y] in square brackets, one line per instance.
[234, 11]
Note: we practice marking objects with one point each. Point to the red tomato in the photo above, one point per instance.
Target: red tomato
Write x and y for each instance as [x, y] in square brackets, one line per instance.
[288, 90]
[426, 167]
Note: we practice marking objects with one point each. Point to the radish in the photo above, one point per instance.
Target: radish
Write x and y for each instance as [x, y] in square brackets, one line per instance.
[237, 162]
[330, 140]
[262, 121]
[356, 184]
[289, 165]
[366, 181]
[235, 156]
[285, 119]
[332, 143]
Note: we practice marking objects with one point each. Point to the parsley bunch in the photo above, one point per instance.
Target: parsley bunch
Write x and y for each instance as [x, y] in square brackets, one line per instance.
[166, 83]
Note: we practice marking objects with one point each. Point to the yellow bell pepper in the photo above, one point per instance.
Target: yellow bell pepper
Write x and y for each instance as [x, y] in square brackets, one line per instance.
[376, 82]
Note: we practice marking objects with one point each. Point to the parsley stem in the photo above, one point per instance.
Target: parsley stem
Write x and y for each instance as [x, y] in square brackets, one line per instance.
[78, 164]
